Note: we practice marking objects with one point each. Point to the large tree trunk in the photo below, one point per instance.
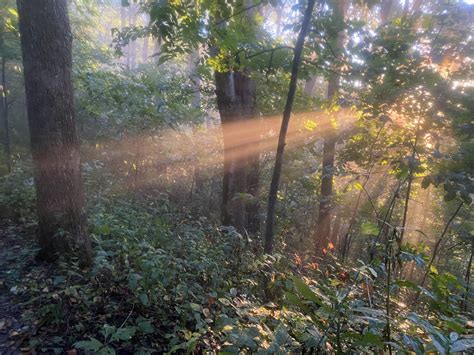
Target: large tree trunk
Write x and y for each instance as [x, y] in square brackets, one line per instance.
[272, 196]
[323, 232]
[46, 42]
[235, 93]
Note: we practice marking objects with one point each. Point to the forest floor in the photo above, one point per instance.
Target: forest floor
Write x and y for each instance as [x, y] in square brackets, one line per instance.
[16, 263]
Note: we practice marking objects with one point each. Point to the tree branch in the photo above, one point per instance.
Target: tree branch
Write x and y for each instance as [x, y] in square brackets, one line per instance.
[237, 13]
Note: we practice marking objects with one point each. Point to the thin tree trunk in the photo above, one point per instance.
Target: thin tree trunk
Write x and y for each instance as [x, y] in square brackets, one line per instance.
[46, 42]
[279, 16]
[408, 193]
[133, 43]
[146, 40]
[156, 49]
[336, 228]
[198, 175]
[422, 228]
[323, 232]
[467, 280]
[123, 19]
[272, 197]
[438, 243]
[310, 85]
[4, 114]
[253, 188]
[145, 50]
[385, 9]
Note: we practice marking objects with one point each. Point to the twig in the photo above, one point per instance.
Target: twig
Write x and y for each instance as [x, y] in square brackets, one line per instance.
[438, 243]
[237, 13]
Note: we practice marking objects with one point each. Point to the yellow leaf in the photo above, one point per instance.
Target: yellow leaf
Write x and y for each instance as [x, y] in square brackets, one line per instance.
[13, 12]
[310, 125]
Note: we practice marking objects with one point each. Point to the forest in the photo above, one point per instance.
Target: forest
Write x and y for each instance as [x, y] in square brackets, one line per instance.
[236, 177]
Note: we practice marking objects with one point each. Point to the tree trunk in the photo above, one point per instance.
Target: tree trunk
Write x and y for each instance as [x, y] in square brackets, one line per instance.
[156, 49]
[199, 171]
[323, 232]
[145, 50]
[310, 85]
[46, 42]
[467, 280]
[272, 196]
[146, 41]
[411, 167]
[253, 188]
[4, 115]
[123, 22]
[437, 245]
[235, 93]
[385, 9]
[325, 204]
[133, 42]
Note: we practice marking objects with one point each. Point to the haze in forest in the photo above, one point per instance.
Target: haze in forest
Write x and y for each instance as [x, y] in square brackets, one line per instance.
[239, 177]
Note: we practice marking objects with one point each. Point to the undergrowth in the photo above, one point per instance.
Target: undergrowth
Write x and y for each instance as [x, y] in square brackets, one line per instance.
[165, 281]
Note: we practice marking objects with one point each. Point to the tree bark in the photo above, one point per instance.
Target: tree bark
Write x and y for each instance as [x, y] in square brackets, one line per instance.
[253, 188]
[123, 22]
[310, 85]
[146, 40]
[323, 232]
[133, 42]
[272, 196]
[145, 50]
[235, 93]
[156, 49]
[46, 42]
[411, 167]
[4, 115]
[385, 9]
[467, 280]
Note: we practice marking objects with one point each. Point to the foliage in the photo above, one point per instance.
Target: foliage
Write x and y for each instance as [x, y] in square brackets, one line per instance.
[167, 277]
[17, 194]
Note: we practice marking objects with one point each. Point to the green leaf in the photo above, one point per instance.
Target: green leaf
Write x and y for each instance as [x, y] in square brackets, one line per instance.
[133, 281]
[407, 283]
[292, 299]
[92, 344]
[225, 301]
[144, 299]
[305, 291]
[125, 333]
[370, 339]
[145, 326]
[370, 228]
[195, 307]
